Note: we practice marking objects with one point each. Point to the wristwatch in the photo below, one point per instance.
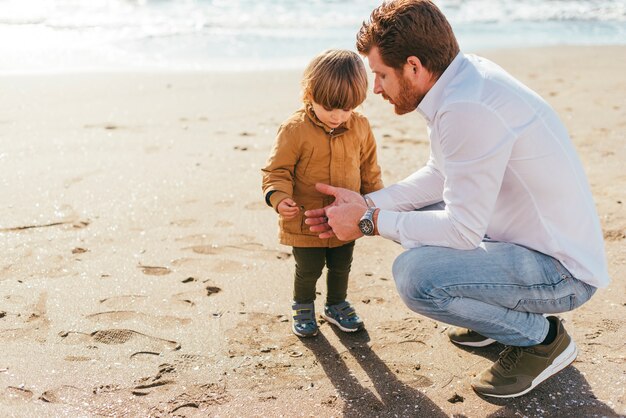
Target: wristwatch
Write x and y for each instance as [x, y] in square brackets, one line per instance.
[366, 224]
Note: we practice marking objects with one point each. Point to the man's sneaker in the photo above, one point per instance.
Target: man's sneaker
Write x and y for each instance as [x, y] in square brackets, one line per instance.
[521, 369]
[465, 336]
[304, 324]
[344, 316]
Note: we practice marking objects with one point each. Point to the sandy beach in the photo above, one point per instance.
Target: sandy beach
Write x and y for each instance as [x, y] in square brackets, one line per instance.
[141, 273]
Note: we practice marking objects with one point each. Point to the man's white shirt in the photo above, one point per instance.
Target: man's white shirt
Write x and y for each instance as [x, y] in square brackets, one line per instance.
[505, 167]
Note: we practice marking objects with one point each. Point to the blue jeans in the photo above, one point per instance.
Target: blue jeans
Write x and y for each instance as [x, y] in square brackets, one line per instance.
[500, 290]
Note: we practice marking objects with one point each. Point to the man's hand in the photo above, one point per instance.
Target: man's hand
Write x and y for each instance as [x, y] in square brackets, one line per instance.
[341, 217]
[288, 208]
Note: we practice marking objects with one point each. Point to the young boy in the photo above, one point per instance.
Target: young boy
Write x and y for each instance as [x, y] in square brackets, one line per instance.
[327, 142]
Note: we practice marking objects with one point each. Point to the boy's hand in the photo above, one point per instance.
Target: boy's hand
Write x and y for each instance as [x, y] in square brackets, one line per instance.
[288, 208]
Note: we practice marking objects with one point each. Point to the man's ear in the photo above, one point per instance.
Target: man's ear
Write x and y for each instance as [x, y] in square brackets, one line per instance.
[414, 64]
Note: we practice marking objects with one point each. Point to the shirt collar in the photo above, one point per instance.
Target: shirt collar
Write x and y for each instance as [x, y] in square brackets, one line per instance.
[430, 104]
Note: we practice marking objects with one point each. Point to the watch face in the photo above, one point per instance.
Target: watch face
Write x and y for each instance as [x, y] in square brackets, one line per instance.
[366, 226]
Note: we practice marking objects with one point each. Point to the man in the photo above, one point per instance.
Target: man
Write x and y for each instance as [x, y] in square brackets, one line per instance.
[500, 226]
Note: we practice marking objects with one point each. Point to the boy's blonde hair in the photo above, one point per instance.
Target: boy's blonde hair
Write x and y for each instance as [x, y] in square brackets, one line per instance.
[335, 79]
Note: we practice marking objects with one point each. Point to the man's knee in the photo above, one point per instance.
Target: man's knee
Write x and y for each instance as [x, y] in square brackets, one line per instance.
[413, 272]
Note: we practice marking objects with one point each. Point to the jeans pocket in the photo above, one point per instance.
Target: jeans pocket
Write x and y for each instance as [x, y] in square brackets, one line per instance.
[562, 304]
[584, 292]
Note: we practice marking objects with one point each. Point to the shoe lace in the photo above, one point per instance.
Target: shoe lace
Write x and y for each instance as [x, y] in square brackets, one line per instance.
[510, 356]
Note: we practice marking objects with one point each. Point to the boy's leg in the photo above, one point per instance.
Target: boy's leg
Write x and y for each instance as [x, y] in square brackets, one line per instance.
[499, 290]
[338, 310]
[338, 261]
[309, 265]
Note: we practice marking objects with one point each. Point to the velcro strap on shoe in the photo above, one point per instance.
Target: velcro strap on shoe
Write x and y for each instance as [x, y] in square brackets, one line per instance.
[303, 312]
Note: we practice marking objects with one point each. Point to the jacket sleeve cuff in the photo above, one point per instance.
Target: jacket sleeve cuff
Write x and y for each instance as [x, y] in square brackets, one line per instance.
[275, 197]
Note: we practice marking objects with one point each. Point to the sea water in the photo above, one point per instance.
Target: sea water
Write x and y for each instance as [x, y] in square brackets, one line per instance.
[78, 35]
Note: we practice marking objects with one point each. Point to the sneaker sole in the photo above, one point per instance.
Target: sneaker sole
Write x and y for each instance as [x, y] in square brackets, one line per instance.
[483, 343]
[293, 329]
[334, 322]
[564, 359]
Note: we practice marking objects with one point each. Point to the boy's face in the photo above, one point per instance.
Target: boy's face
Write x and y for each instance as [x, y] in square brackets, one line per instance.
[331, 117]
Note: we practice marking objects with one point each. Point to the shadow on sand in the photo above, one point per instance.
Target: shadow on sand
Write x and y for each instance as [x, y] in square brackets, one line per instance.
[392, 398]
[563, 396]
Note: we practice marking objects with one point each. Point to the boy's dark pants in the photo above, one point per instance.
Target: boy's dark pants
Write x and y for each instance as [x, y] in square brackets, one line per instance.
[310, 262]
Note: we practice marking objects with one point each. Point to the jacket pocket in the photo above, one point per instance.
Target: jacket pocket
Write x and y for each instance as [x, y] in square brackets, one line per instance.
[302, 167]
[292, 226]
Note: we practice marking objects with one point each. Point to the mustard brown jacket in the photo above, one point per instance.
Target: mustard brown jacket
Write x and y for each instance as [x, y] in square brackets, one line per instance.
[306, 152]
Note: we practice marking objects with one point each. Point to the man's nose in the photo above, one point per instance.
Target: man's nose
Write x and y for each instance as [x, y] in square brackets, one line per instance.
[377, 89]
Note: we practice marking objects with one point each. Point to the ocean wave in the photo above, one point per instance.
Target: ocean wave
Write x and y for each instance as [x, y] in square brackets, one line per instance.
[502, 11]
[316, 15]
[276, 33]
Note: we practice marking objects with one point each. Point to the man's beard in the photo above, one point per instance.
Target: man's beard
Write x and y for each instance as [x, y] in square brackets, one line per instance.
[408, 99]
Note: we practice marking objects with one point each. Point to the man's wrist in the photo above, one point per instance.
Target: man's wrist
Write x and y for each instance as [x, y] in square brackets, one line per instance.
[375, 220]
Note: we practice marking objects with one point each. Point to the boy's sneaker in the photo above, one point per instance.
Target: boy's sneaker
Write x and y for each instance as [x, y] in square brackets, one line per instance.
[521, 369]
[467, 337]
[344, 316]
[304, 324]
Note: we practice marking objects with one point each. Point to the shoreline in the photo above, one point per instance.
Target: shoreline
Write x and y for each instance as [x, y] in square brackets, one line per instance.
[113, 70]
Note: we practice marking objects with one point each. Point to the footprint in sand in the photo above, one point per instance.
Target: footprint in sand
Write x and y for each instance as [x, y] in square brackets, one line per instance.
[408, 330]
[195, 398]
[154, 270]
[256, 206]
[249, 248]
[115, 317]
[257, 331]
[189, 262]
[180, 361]
[125, 301]
[14, 394]
[102, 400]
[64, 394]
[197, 238]
[191, 298]
[136, 341]
[175, 366]
[184, 222]
[213, 265]
[31, 321]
